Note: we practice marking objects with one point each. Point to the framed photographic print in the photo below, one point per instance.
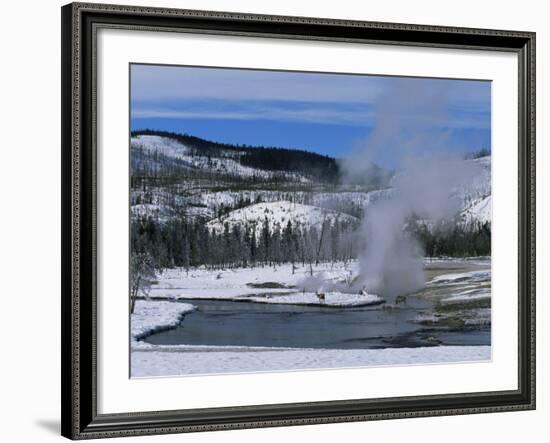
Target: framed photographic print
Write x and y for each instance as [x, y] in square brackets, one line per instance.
[273, 221]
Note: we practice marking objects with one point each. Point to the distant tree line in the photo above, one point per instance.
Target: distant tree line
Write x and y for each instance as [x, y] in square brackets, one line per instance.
[306, 163]
[454, 240]
[187, 242]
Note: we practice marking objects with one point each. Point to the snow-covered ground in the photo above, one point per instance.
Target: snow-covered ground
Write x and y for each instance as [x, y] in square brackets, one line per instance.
[479, 211]
[467, 317]
[461, 298]
[280, 285]
[153, 316]
[262, 285]
[278, 213]
[277, 285]
[334, 299]
[458, 278]
[159, 212]
[470, 286]
[173, 361]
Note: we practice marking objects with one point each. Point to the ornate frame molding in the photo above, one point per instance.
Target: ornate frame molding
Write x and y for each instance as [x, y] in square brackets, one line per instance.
[79, 391]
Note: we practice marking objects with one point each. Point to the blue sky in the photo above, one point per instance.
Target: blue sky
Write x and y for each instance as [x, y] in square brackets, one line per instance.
[326, 113]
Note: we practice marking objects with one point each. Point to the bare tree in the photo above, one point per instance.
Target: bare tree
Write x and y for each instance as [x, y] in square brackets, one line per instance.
[323, 227]
[142, 275]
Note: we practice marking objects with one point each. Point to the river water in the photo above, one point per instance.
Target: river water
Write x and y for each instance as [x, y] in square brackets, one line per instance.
[229, 323]
[238, 323]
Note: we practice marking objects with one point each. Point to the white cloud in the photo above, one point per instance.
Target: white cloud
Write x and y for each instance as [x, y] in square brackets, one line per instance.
[312, 115]
[154, 82]
[238, 94]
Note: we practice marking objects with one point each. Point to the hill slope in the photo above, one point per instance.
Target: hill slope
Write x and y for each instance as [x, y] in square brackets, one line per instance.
[247, 161]
[278, 214]
[181, 174]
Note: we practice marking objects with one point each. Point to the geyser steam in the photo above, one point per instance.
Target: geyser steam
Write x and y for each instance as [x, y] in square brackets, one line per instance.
[427, 187]
[410, 131]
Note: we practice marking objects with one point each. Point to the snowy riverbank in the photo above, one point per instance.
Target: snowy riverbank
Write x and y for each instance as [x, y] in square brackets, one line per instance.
[154, 316]
[165, 360]
[332, 299]
[460, 291]
[469, 286]
[170, 360]
[278, 285]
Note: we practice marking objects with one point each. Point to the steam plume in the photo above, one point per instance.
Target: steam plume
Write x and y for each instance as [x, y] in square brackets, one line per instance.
[409, 131]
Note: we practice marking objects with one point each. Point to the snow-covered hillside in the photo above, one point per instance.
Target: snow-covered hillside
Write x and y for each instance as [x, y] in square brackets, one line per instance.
[480, 187]
[476, 197]
[306, 201]
[479, 211]
[228, 164]
[278, 214]
[202, 203]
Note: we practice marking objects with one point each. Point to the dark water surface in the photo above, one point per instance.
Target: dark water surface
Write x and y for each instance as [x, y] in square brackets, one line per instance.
[227, 323]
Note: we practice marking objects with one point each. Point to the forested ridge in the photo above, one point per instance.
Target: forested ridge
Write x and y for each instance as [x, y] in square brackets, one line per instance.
[267, 158]
[173, 200]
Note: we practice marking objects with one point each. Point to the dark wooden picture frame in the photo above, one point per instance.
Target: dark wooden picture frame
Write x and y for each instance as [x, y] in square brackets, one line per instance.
[79, 171]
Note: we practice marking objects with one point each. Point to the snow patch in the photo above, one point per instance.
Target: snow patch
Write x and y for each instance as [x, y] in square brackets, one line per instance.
[468, 295]
[471, 276]
[149, 363]
[278, 214]
[153, 316]
[332, 299]
[249, 284]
